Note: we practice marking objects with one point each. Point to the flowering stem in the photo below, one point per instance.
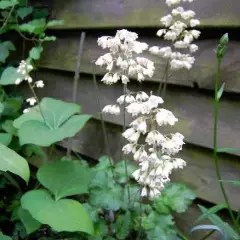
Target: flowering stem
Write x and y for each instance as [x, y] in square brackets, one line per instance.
[140, 218]
[215, 144]
[102, 121]
[124, 129]
[163, 77]
[165, 82]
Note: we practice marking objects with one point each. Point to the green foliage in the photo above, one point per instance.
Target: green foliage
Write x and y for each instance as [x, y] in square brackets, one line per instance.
[175, 197]
[61, 215]
[24, 12]
[36, 26]
[120, 171]
[35, 52]
[5, 138]
[4, 237]
[8, 3]
[12, 162]
[72, 178]
[9, 76]
[59, 122]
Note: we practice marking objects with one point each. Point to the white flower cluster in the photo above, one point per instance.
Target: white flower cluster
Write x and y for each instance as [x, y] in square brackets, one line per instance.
[24, 69]
[176, 31]
[155, 151]
[121, 62]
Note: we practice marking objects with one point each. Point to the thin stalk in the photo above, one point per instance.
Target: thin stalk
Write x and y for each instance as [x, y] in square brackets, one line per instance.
[140, 218]
[215, 143]
[162, 81]
[106, 141]
[76, 80]
[124, 142]
[166, 81]
[208, 235]
[7, 18]
[181, 235]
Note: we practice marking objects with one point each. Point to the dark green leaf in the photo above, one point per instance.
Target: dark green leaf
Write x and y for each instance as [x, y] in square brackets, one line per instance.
[32, 149]
[5, 138]
[4, 53]
[8, 127]
[122, 225]
[72, 178]
[9, 45]
[36, 26]
[24, 12]
[35, 52]
[28, 221]
[220, 92]
[40, 13]
[101, 231]
[62, 215]
[4, 237]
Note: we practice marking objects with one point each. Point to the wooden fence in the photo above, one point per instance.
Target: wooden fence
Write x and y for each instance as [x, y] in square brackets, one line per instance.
[189, 94]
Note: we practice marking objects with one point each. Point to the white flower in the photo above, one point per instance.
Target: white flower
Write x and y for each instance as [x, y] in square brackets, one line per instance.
[165, 52]
[31, 101]
[155, 138]
[172, 2]
[136, 174]
[144, 192]
[129, 148]
[154, 101]
[188, 14]
[112, 109]
[26, 110]
[171, 35]
[18, 81]
[164, 117]
[125, 79]
[195, 33]
[181, 44]
[39, 84]
[142, 96]
[194, 22]
[128, 133]
[177, 11]
[108, 79]
[193, 48]
[161, 32]
[134, 108]
[167, 20]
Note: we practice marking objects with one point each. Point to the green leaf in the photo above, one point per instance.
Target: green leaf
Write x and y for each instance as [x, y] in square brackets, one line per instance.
[1, 108]
[14, 163]
[93, 211]
[36, 26]
[107, 198]
[120, 171]
[49, 39]
[236, 183]
[60, 122]
[159, 227]
[35, 52]
[5, 138]
[220, 92]
[221, 224]
[40, 13]
[210, 211]
[54, 23]
[4, 237]
[9, 45]
[122, 225]
[176, 196]
[9, 76]
[62, 215]
[28, 221]
[101, 231]
[12, 107]
[8, 127]
[24, 12]
[32, 149]
[7, 3]
[72, 178]
[4, 53]
[228, 150]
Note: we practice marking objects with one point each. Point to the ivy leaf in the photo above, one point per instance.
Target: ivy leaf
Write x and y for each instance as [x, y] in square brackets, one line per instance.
[8, 127]
[4, 237]
[101, 231]
[12, 107]
[36, 26]
[122, 225]
[9, 76]
[24, 12]
[107, 198]
[61, 215]
[9, 45]
[12, 162]
[49, 39]
[121, 172]
[35, 52]
[28, 221]
[72, 178]
[5, 138]
[4, 53]
[176, 196]
[54, 23]
[7, 3]
[59, 122]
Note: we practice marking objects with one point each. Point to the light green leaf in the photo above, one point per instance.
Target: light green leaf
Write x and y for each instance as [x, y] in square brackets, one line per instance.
[35, 52]
[9, 45]
[72, 178]
[54, 23]
[107, 198]
[4, 53]
[14, 163]
[236, 183]
[9, 76]
[176, 196]
[122, 226]
[7, 3]
[221, 224]
[36, 26]
[120, 171]
[44, 136]
[210, 211]
[8, 127]
[5, 138]
[220, 92]
[63, 215]
[28, 221]
[4, 237]
[49, 39]
[24, 12]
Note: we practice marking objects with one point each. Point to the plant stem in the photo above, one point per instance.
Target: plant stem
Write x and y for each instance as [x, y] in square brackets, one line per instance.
[208, 235]
[215, 143]
[140, 218]
[165, 82]
[162, 81]
[7, 18]
[181, 235]
[102, 121]
[124, 142]
[76, 80]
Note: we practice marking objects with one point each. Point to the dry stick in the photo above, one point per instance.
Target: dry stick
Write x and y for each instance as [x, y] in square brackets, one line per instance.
[76, 80]
[102, 120]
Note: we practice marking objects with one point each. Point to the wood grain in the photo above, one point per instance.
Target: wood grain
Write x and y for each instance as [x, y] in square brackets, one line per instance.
[61, 55]
[140, 13]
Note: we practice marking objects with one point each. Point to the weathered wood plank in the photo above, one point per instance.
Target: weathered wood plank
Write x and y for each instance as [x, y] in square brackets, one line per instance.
[62, 56]
[194, 109]
[199, 172]
[140, 13]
